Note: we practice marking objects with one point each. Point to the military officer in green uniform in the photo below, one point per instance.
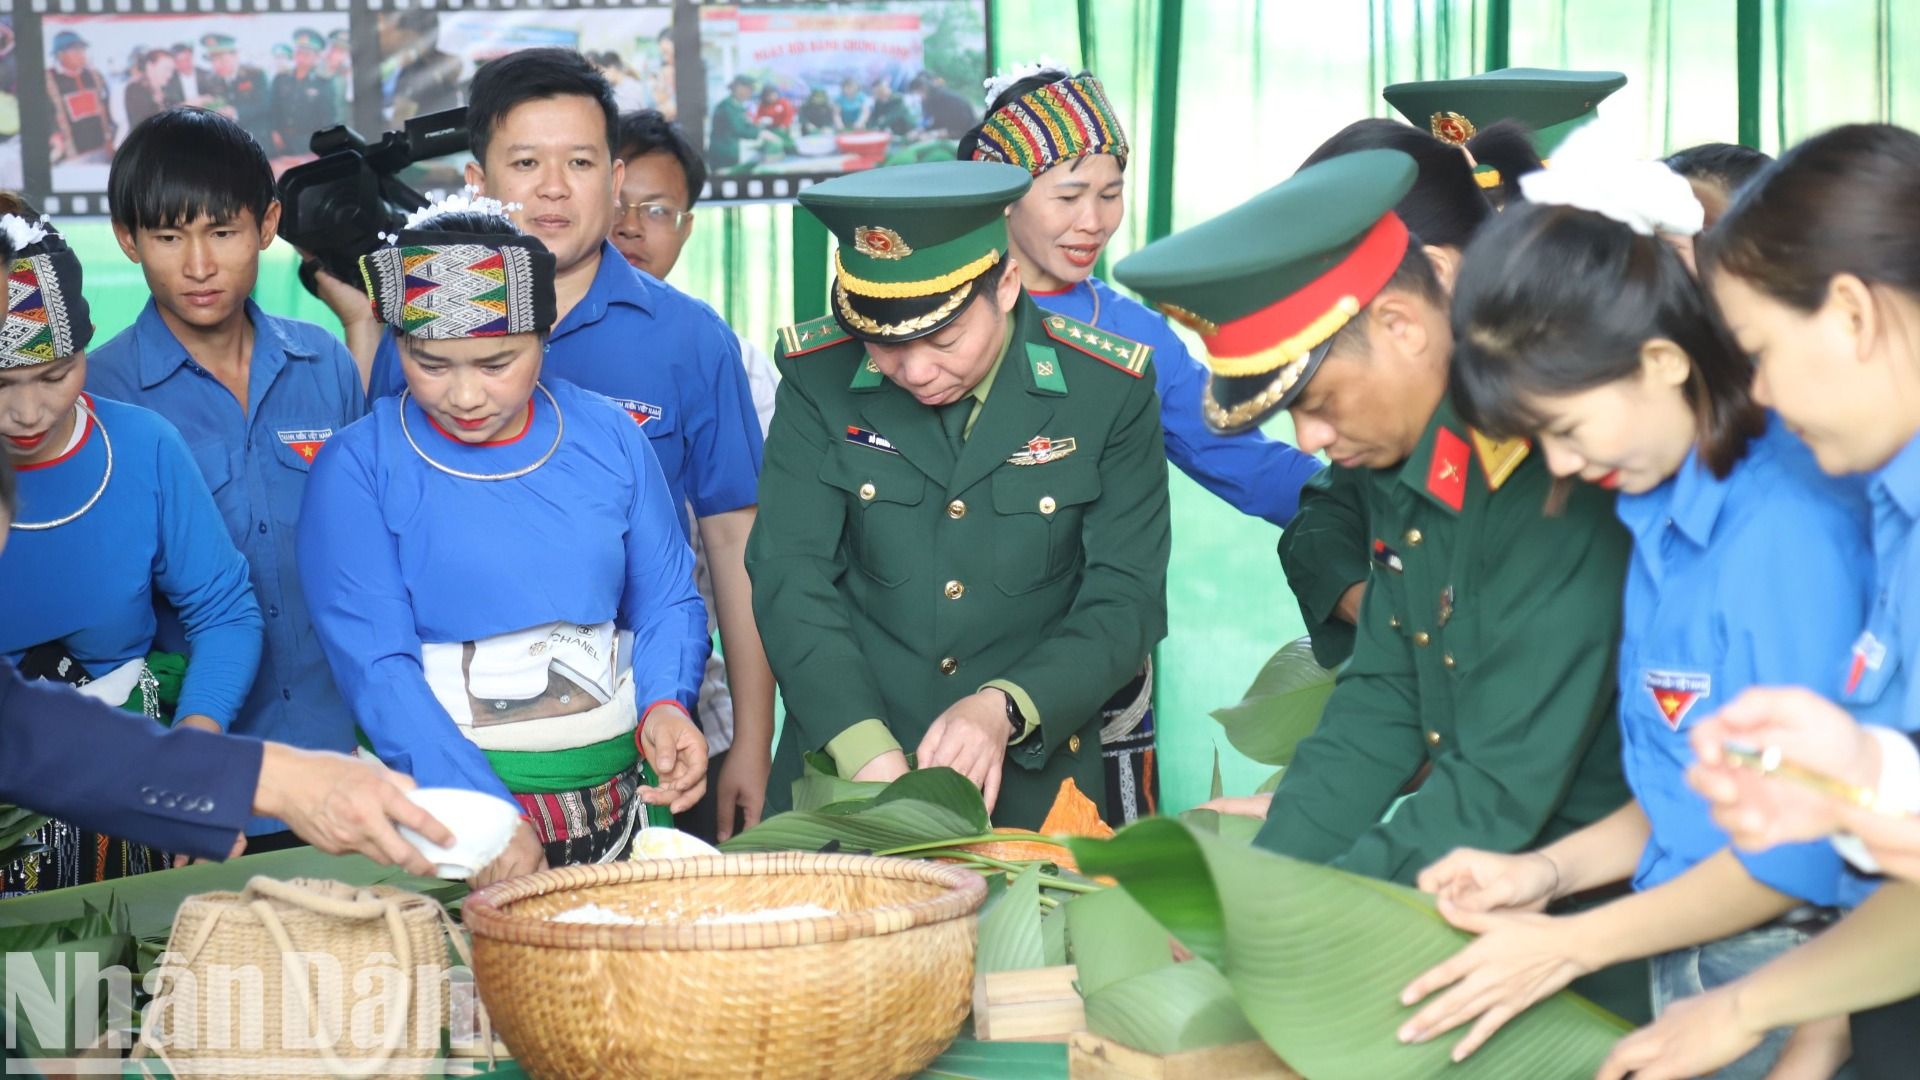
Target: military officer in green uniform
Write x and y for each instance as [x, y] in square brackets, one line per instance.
[1487, 634]
[962, 544]
[1324, 548]
[239, 90]
[304, 100]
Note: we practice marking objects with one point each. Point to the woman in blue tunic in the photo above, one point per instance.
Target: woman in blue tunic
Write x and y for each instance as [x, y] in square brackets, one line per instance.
[1578, 323]
[1816, 269]
[494, 567]
[113, 515]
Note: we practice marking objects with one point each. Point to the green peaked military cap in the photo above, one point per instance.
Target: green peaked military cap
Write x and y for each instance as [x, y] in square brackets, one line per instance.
[1550, 101]
[1268, 283]
[914, 240]
[308, 38]
[215, 44]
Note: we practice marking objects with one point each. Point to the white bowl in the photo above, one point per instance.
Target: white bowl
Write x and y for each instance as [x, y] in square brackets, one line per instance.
[482, 826]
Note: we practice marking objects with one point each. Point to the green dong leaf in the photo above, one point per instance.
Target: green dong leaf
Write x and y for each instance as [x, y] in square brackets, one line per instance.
[1010, 934]
[925, 809]
[1282, 707]
[1317, 958]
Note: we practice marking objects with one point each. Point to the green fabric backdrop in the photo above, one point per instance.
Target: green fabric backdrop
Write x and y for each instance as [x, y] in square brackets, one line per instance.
[1222, 99]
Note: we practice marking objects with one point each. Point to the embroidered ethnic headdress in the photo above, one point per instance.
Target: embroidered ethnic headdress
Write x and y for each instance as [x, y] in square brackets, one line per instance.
[1063, 120]
[428, 282]
[47, 316]
[1547, 100]
[1267, 284]
[914, 241]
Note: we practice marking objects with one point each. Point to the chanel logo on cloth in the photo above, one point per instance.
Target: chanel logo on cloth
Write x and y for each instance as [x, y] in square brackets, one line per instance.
[1042, 449]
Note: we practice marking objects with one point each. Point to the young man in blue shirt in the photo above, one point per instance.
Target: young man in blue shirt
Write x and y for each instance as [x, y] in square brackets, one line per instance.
[255, 396]
[543, 127]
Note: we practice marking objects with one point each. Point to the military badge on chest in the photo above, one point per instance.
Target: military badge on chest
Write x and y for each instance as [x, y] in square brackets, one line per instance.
[1041, 449]
[1387, 557]
[1675, 693]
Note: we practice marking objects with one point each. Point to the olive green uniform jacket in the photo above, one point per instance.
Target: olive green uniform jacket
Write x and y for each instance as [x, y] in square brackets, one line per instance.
[1486, 647]
[1324, 553]
[890, 579]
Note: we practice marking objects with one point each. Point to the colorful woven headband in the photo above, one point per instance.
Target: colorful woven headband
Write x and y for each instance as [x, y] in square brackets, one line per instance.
[47, 316]
[1057, 122]
[441, 285]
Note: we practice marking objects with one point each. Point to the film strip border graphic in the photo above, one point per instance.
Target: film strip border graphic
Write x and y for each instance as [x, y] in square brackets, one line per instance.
[365, 111]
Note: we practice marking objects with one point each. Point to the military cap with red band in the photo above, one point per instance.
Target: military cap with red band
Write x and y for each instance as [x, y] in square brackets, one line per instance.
[1267, 284]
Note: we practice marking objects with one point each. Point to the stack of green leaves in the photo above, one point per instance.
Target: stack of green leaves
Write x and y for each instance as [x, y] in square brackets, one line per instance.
[1314, 958]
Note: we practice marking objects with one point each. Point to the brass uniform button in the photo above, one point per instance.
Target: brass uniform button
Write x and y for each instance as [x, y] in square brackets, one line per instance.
[1073, 744]
[1047, 504]
[1414, 538]
[1447, 661]
[949, 666]
[866, 492]
[1433, 738]
[956, 509]
[1421, 639]
[955, 590]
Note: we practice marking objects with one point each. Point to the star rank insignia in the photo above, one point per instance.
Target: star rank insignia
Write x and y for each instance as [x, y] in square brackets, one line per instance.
[1129, 356]
[1041, 449]
[1676, 692]
[812, 336]
[1447, 470]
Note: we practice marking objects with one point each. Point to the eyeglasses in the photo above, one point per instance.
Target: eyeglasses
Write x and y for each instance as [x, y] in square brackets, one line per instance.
[653, 215]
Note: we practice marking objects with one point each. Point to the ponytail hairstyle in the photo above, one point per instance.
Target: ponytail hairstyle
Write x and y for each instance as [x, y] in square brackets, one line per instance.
[1445, 207]
[1846, 201]
[1507, 148]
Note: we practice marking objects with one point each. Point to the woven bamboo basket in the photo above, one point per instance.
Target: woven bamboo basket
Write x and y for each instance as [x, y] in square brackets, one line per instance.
[876, 990]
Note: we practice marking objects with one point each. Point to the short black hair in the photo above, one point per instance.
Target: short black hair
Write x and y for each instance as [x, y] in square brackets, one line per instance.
[1445, 205]
[1415, 275]
[185, 162]
[512, 80]
[648, 131]
[1727, 164]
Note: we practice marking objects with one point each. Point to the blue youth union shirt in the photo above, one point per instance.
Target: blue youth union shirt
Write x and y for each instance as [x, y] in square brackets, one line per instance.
[1753, 580]
[671, 363]
[302, 388]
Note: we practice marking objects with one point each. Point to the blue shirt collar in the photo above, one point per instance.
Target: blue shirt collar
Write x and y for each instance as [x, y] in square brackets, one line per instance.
[1691, 500]
[1898, 481]
[613, 283]
[161, 354]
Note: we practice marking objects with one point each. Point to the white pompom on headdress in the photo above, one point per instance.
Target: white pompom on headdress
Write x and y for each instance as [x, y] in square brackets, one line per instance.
[466, 200]
[1595, 169]
[22, 233]
[1000, 83]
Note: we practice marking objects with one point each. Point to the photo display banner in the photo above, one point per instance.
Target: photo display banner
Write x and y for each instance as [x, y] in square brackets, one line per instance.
[777, 95]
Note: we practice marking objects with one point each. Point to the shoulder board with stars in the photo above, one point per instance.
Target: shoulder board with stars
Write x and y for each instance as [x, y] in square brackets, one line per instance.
[1499, 457]
[812, 336]
[1124, 353]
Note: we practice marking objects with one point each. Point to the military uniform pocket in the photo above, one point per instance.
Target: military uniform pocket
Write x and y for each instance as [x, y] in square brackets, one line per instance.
[881, 491]
[1037, 539]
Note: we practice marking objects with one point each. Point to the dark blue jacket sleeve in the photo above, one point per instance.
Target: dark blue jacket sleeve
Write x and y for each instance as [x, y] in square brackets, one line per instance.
[386, 379]
[1256, 475]
[723, 433]
[77, 759]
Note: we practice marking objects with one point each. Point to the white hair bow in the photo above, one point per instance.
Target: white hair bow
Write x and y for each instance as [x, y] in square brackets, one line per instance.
[1595, 170]
[20, 232]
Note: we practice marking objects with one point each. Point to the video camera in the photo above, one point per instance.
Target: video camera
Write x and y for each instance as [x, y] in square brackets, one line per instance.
[335, 208]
